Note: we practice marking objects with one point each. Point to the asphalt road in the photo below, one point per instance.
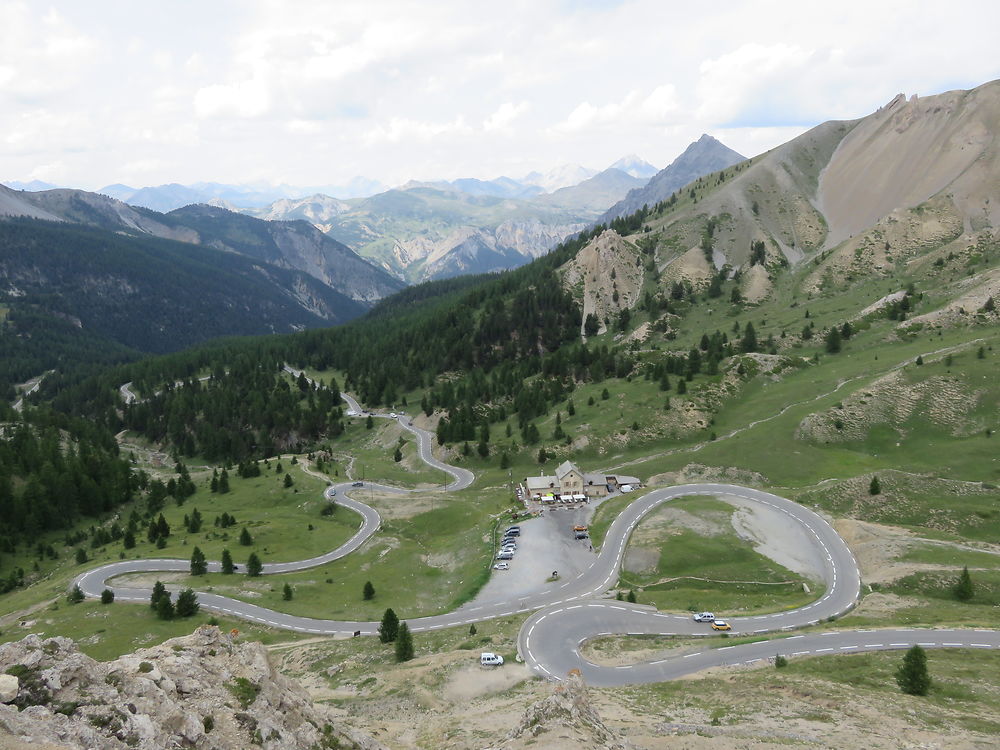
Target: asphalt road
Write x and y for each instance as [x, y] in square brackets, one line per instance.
[569, 615]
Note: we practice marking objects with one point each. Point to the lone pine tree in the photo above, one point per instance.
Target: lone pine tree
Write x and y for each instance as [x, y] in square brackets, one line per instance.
[912, 675]
[404, 643]
[388, 630]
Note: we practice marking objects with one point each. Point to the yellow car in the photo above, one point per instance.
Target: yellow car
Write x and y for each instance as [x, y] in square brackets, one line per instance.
[721, 625]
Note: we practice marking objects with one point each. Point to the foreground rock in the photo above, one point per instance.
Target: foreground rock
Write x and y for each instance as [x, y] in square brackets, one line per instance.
[204, 690]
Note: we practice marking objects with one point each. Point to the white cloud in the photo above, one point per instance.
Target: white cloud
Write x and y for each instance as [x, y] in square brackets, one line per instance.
[506, 114]
[243, 99]
[400, 129]
[395, 90]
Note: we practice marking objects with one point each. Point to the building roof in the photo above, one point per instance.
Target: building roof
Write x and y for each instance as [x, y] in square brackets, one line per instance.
[565, 468]
[595, 478]
[540, 483]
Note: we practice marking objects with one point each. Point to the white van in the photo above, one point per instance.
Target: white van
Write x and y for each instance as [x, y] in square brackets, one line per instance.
[489, 659]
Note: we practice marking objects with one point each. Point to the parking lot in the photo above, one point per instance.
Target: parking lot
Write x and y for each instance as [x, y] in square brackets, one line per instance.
[546, 545]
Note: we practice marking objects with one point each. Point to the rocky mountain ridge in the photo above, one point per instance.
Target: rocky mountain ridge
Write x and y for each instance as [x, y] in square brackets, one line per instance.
[704, 156]
[205, 690]
[910, 188]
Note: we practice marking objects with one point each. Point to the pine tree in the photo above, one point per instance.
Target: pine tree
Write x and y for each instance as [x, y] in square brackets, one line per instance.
[833, 340]
[245, 539]
[223, 482]
[107, 596]
[368, 592]
[288, 481]
[158, 591]
[254, 566]
[187, 604]
[681, 386]
[912, 675]
[286, 592]
[164, 607]
[227, 562]
[504, 461]
[389, 629]
[398, 455]
[128, 541]
[75, 595]
[749, 341]
[404, 643]
[963, 587]
[875, 488]
[631, 596]
[81, 556]
[472, 629]
[199, 566]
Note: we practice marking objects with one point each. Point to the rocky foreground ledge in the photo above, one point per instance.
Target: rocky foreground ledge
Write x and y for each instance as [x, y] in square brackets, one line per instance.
[206, 690]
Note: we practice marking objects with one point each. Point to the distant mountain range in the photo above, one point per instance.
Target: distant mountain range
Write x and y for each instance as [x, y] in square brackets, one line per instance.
[416, 232]
[426, 231]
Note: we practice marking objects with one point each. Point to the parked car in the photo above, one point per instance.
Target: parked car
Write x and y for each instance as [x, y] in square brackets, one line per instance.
[704, 617]
[721, 625]
[509, 548]
[505, 555]
[358, 484]
[489, 659]
[581, 535]
[501, 566]
[514, 529]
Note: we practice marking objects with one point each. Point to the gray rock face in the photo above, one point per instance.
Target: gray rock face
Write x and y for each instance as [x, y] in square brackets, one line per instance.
[205, 690]
[8, 688]
[704, 156]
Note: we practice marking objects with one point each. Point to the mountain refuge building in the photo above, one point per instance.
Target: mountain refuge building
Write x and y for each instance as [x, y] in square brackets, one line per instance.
[569, 482]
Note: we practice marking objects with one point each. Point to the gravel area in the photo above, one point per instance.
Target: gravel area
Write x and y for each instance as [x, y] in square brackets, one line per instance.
[777, 536]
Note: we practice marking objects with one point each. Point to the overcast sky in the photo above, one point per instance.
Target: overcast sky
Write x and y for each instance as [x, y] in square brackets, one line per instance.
[313, 93]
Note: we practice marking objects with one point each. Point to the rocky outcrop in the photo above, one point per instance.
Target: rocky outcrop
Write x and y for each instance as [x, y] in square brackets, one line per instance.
[565, 719]
[205, 690]
[606, 278]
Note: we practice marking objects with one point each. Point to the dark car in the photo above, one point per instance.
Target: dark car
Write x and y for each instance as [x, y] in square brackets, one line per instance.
[358, 484]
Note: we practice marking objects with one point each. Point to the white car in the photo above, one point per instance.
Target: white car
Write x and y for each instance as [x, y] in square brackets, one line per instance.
[392, 415]
[501, 566]
[489, 659]
[626, 488]
[704, 617]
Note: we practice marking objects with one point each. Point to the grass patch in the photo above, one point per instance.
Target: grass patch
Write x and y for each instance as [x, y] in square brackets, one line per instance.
[106, 631]
[940, 554]
[941, 586]
[427, 563]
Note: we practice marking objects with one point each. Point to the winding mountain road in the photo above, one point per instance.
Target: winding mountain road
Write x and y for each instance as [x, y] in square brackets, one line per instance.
[567, 616]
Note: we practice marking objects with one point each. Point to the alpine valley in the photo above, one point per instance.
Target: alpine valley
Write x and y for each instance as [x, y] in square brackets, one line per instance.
[707, 459]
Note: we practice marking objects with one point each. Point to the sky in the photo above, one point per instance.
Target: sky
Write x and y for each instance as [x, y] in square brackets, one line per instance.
[305, 92]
